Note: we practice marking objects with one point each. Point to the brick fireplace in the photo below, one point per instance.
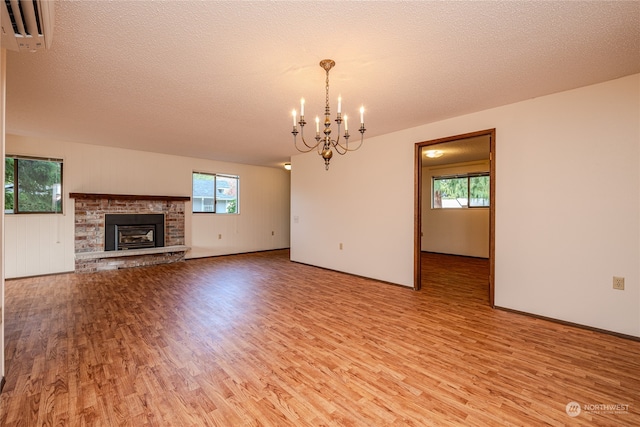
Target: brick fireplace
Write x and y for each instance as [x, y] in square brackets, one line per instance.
[90, 212]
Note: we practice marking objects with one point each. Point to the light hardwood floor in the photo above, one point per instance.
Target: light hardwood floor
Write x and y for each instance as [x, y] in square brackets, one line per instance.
[258, 340]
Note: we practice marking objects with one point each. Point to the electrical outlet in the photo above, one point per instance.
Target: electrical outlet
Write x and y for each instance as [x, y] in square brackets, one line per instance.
[340, 246]
[273, 233]
[618, 283]
[219, 236]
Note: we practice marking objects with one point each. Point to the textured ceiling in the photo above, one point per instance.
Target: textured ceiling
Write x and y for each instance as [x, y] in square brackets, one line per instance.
[218, 80]
[459, 151]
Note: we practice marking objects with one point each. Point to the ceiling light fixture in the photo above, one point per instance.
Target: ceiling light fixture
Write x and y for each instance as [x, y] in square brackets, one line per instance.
[287, 166]
[325, 144]
[433, 154]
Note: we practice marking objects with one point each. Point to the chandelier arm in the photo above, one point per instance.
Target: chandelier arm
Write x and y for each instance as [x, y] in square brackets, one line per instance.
[337, 146]
[302, 150]
[295, 141]
[340, 149]
[308, 147]
[346, 148]
[338, 120]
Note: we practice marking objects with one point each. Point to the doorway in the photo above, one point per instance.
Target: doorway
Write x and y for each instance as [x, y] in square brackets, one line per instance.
[464, 151]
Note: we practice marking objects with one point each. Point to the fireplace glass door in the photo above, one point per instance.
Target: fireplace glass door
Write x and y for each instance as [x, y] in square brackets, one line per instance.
[135, 236]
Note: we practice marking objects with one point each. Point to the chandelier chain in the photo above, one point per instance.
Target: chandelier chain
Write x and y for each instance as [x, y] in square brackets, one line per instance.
[326, 89]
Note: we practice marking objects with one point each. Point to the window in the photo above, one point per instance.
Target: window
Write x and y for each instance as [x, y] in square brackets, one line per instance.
[32, 185]
[461, 191]
[215, 193]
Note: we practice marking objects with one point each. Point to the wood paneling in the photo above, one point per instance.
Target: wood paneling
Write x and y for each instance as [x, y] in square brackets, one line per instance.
[255, 339]
[35, 244]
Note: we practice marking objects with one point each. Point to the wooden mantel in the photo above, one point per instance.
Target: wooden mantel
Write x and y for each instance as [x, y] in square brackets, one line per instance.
[128, 197]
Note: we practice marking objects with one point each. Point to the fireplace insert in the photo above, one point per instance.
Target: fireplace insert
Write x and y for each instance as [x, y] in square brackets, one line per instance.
[133, 231]
[135, 236]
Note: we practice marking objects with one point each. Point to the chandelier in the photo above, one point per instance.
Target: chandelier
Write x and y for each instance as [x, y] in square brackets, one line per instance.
[324, 144]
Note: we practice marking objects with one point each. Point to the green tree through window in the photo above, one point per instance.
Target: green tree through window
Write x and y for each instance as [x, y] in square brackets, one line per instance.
[479, 191]
[33, 185]
[461, 191]
[8, 184]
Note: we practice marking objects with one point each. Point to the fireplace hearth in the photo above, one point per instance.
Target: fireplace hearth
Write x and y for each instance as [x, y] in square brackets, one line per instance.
[133, 231]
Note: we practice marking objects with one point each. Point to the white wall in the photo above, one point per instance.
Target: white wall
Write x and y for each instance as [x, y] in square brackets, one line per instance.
[567, 204]
[365, 202]
[454, 231]
[44, 244]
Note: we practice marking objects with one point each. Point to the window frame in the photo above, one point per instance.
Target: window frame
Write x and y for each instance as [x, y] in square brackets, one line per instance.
[468, 177]
[16, 188]
[215, 177]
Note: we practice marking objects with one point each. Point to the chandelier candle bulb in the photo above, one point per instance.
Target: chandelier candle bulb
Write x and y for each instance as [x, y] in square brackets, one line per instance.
[294, 118]
[339, 104]
[346, 126]
[362, 115]
[301, 107]
[317, 124]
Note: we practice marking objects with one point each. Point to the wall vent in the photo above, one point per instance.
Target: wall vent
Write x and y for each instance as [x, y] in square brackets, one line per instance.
[27, 25]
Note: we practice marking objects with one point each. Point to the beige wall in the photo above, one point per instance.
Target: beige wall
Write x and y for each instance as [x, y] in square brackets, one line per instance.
[43, 244]
[567, 204]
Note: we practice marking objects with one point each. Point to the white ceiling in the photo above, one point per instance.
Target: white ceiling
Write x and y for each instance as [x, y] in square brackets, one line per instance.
[218, 80]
